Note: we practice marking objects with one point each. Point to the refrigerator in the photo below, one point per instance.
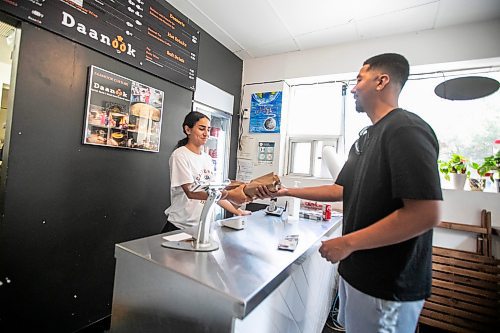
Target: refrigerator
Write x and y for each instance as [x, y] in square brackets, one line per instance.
[218, 144]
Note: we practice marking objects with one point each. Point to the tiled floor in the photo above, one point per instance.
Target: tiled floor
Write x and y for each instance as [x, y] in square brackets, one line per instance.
[103, 327]
[421, 329]
[328, 329]
[428, 329]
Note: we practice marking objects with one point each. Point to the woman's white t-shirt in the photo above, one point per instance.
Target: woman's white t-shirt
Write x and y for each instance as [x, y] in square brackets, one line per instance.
[187, 167]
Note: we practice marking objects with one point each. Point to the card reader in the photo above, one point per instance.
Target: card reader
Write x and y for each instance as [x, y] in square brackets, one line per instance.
[237, 222]
[272, 209]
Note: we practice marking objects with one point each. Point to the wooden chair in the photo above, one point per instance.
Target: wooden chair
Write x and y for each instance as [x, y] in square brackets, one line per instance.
[465, 285]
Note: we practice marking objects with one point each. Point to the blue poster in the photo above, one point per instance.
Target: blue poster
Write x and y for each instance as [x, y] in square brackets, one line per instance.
[265, 112]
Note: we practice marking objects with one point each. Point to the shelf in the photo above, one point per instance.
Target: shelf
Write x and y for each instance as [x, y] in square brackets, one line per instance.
[117, 114]
[98, 125]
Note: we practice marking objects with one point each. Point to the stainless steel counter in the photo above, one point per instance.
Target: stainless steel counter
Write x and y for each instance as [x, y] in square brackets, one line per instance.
[232, 280]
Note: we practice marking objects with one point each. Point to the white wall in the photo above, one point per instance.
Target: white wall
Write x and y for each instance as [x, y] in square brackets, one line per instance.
[5, 61]
[5, 70]
[461, 43]
[465, 207]
[454, 44]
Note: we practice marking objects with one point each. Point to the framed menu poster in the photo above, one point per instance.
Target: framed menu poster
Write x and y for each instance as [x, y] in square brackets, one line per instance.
[122, 113]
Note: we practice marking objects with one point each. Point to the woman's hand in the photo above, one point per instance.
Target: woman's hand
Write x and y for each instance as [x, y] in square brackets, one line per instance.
[237, 196]
[242, 212]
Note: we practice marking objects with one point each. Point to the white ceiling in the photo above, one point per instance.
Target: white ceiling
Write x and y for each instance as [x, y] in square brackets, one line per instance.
[259, 28]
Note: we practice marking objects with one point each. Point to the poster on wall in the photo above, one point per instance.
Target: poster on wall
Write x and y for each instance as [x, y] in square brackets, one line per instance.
[265, 112]
[148, 34]
[122, 113]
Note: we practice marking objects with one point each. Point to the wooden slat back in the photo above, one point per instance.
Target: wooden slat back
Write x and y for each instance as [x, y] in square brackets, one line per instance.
[470, 256]
[478, 267]
[465, 285]
[466, 280]
[462, 227]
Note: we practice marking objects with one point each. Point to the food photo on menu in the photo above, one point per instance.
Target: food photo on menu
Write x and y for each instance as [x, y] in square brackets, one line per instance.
[122, 113]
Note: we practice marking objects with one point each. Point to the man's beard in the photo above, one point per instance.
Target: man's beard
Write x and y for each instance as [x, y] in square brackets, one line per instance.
[359, 107]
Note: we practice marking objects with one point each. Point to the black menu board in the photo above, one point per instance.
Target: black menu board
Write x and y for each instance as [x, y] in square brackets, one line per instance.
[148, 34]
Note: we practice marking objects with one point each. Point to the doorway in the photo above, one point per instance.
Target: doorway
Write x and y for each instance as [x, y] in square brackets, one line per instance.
[7, 40]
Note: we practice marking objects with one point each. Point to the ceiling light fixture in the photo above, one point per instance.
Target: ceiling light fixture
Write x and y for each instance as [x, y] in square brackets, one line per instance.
[466, 88]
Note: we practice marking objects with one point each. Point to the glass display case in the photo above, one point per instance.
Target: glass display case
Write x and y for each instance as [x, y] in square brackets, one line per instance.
[218, 143]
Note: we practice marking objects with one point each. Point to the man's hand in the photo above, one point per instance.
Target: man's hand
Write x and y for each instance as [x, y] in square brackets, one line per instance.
[335, 249]
[262, 192]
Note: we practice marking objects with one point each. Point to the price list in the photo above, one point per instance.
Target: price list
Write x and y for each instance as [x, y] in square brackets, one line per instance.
[148, 34]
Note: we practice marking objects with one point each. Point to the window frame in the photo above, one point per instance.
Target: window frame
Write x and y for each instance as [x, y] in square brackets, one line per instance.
[314, 157]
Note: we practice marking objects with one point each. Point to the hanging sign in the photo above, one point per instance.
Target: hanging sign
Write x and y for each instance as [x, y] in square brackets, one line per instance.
[148, 34]
[265, 112]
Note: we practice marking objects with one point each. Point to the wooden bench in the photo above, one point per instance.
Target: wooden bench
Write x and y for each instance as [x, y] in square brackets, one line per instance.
[465, 285]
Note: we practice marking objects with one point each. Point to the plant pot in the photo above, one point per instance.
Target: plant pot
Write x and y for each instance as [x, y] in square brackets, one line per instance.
[458, 180]
[477, 184]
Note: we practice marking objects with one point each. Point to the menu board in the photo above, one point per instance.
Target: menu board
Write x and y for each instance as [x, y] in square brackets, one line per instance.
[148, 34]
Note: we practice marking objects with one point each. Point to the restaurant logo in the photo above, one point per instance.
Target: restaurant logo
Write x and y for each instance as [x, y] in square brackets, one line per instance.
[119, 93]
[117, 43]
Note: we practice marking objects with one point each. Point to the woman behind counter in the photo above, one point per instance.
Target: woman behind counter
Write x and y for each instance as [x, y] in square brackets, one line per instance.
[189, 164]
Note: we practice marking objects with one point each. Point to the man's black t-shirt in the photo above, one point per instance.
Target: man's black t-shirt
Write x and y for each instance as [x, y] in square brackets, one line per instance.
[398, 160]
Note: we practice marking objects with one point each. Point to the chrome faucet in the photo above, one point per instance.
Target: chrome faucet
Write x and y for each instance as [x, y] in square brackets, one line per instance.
[203, 241]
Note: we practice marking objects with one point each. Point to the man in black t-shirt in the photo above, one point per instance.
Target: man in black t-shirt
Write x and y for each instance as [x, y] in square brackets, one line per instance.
[391, 195]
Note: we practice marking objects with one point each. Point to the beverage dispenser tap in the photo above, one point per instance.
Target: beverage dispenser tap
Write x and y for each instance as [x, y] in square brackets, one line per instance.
[203, 241]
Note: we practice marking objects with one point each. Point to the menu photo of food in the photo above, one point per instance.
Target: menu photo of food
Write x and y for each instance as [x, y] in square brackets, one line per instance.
[122, 113]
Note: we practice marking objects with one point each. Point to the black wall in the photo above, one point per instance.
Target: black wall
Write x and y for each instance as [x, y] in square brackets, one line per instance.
[220, 67]
[66, 204]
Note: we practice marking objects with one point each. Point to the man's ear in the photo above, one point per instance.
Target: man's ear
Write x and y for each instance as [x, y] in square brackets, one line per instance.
[383, 80]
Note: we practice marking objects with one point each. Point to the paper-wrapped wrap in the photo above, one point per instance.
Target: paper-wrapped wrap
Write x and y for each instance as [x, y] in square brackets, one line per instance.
[270, 180]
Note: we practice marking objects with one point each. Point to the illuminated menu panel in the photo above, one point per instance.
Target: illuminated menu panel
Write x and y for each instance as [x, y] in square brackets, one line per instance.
[148, 34]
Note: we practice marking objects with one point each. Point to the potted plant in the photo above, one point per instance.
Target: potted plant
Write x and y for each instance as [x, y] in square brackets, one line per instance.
[490, 165]
[456, 168]
[478, 184]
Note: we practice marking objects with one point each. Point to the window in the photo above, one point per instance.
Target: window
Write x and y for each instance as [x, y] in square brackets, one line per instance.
[320, 115]
[315, 121]
[465, 127]
[305, 157]
[316, 109]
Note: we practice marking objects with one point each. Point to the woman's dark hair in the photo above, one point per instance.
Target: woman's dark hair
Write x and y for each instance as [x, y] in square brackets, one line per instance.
[190, 120]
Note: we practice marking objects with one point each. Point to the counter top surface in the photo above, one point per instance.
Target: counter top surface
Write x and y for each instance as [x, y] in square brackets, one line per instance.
[247, 266]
